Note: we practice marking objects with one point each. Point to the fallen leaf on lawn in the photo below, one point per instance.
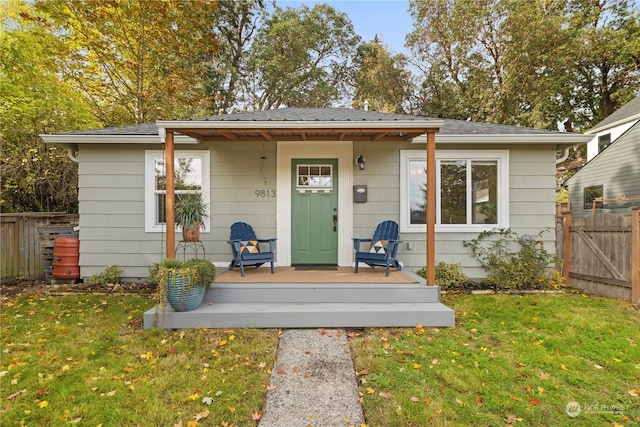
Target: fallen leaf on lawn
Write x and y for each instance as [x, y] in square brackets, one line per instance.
[633, 392]
[369, 390]
[201, 415]
[111, 393]
[540, 391]
[512, 419]
[564, 368]
[534, 401]
[514, 397]
[76, 420]
[458, 401]
[595, 365]
[280, 372]
[427, 400]
[232, 409]
[271, 387]
[478, 400]
[415, 399]
[434, 362]
[385, 394]
[363, 372]
[385, 344]
[543, 376]
[43, 404]
[257, 416]
[207, 400]
[16, 394]
[417, 366]
[192, 423]
[222, 343]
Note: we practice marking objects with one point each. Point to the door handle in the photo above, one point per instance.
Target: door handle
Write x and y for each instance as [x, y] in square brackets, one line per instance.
[335, 222]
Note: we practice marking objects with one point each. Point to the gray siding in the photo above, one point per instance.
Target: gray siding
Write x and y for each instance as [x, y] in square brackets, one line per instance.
[112, 177]
[531, 207]
[617, 169]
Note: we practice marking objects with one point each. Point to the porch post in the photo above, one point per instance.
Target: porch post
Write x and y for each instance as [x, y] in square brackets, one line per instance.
[169, 205]
[431, 208]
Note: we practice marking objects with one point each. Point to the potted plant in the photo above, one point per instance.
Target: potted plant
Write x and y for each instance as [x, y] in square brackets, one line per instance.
[191, 211]
[182, 283]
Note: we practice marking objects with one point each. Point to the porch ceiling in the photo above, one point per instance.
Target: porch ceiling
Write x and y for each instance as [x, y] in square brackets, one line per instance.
[261, 134]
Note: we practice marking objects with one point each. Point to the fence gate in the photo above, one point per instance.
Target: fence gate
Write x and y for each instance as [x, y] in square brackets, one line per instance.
[601, 255]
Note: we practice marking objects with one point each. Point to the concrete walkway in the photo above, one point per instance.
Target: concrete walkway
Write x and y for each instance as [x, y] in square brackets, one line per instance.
[313, 382]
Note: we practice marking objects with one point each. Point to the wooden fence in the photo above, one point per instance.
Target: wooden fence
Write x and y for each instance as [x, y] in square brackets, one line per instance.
[26, 243]
[601, 253]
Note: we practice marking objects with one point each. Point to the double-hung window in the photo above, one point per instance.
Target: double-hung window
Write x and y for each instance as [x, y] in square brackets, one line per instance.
[471, 190]
[191, 174]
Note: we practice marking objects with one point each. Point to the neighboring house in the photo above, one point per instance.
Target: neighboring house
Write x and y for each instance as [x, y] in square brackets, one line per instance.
[612, 127]
[612, 178]
[292, 173]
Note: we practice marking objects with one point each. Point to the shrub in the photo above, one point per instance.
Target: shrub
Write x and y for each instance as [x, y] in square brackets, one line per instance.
[447, 275]
[111, 275]
[513, 261]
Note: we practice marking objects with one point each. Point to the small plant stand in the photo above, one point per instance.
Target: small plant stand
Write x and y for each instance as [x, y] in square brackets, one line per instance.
[194, 247]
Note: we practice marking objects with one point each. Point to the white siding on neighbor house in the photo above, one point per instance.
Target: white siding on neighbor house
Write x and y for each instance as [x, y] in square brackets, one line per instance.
[531, 201]
[615, 132]
[617, 169]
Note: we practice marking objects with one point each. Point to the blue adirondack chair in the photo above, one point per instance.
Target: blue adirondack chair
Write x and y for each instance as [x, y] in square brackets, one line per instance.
[382, 249]
[246, 247]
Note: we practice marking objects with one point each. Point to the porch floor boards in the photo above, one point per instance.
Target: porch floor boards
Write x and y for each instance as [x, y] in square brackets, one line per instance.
[304, 304]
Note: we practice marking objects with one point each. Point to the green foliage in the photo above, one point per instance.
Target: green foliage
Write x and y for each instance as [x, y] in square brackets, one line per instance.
[381, 79]
[301, 58]
[512, 261]
[191, 209]
[84, 359]
[447, 275]
[509, 361]
[35, 100]
[111, 275]
[195, 272]
[529, 63]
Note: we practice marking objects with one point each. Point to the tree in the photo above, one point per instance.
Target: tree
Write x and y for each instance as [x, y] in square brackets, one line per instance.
[381, 80]
[526, 63]
[137, 61]
[607, 68]
[35, 177]
[235, 25]
[301, 58]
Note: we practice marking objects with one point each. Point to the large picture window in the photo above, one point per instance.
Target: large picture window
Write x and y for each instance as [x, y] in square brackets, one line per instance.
[471, 190]
[191, 174]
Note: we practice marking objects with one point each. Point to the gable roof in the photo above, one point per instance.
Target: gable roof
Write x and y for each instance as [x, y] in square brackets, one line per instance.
[627, 113]
[323, 123]
[612, 152]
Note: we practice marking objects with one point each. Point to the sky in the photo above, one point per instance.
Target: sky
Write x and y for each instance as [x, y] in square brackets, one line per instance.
[389, 19]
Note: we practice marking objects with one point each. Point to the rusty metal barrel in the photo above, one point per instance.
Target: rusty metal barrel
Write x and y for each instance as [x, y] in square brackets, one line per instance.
[66, 257]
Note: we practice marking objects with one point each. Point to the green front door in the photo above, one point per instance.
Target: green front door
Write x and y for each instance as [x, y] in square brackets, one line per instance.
[314, 211]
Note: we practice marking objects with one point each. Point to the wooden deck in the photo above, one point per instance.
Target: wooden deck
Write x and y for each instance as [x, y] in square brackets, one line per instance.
[311, 299]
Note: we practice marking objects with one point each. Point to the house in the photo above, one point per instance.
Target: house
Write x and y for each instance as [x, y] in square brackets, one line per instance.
[314, 178]
[611, 176]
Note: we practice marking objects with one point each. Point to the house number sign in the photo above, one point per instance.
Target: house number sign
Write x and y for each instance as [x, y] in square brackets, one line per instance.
[265, 193]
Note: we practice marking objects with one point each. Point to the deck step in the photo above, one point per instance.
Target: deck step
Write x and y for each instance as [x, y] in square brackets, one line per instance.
[304, 315]
[327, 293]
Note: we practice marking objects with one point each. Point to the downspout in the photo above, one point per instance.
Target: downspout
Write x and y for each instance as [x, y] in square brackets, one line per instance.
[71, 152]
[565, 155]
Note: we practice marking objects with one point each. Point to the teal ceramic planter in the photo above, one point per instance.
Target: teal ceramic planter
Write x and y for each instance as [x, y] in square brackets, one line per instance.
[180, 297]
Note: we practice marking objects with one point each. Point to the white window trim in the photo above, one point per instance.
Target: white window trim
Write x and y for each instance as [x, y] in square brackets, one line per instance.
[151, 156]
[502, 158]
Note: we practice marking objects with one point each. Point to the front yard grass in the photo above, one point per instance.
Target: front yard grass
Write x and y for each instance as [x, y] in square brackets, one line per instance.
[84, 360]
[510, 360]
